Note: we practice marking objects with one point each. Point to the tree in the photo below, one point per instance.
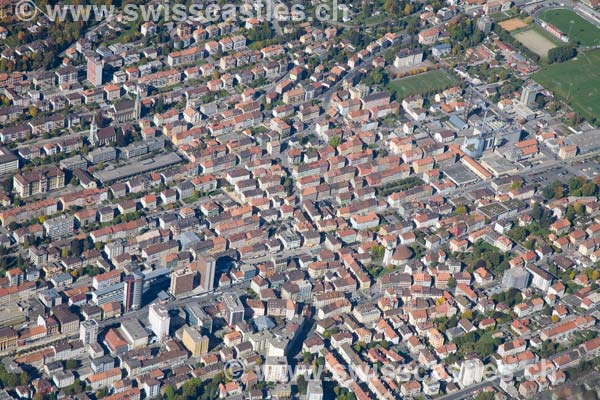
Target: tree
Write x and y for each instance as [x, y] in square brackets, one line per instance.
[575, 184]
[390, 7]
[452, 283]
[71, 364]
[302, 384]
[461, 210]
[33, 111]
[24, 378]
[561, 54]
[170, 392]
[548, 192]
[306, 357]
[518, 234]
[377, 252]
[335, 141]
[377, 76]
[589, 189]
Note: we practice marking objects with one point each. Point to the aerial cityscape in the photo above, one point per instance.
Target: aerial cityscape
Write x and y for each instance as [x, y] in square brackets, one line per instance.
[311, 200]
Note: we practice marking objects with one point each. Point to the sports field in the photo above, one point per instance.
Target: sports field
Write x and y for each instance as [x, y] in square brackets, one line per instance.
[535, 41]
[424, 83]
[577, 80]
[512, 24]
[582, 31]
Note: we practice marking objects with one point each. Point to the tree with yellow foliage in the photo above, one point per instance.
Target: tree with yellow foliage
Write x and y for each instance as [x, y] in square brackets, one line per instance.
[33, 111]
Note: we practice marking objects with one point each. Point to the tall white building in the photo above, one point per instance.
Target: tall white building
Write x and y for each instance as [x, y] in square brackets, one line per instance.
[471, 372]
[234, 309]
[88, 332]
[160, 321]
[529, 94]
[276, 369]
[389, 252]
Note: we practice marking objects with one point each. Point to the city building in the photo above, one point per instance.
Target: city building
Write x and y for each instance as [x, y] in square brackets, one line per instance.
[194, 341]
[471, 372]
[529, 94]
[234, 309]
[8, 339]
[275, 369]
[198, 318]
[516, 277]
[88, 332]
[133, 289]
[134, 333]
[9, 163]
[160, 321]
[183, 281]
[314, 390]
[206, 267]
[38, 182]
[59, 227]
[94, 71]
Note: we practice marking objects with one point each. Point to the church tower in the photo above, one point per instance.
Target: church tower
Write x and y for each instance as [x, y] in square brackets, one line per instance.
[389, 252]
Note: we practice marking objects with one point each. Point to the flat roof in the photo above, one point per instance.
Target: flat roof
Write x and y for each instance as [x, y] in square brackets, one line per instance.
[134, 328]
[493, 210]
[586, 141]
[459, 174]
[497, 164]
[137, 167]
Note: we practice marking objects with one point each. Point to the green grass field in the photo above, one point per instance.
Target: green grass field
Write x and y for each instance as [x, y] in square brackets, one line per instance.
[582, 31]
[427, 82]
[578, 80]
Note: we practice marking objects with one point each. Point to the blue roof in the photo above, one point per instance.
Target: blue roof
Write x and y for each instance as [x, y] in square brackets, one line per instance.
[262, 323]
[457, 122]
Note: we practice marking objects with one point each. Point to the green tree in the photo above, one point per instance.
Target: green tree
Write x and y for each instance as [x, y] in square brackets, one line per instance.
[561, 54]
[548, 192]
[335, 141]
[461, 210]
[24, 378]
[377, 252]
[302, 384]
[170, 392]
[452, 283]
